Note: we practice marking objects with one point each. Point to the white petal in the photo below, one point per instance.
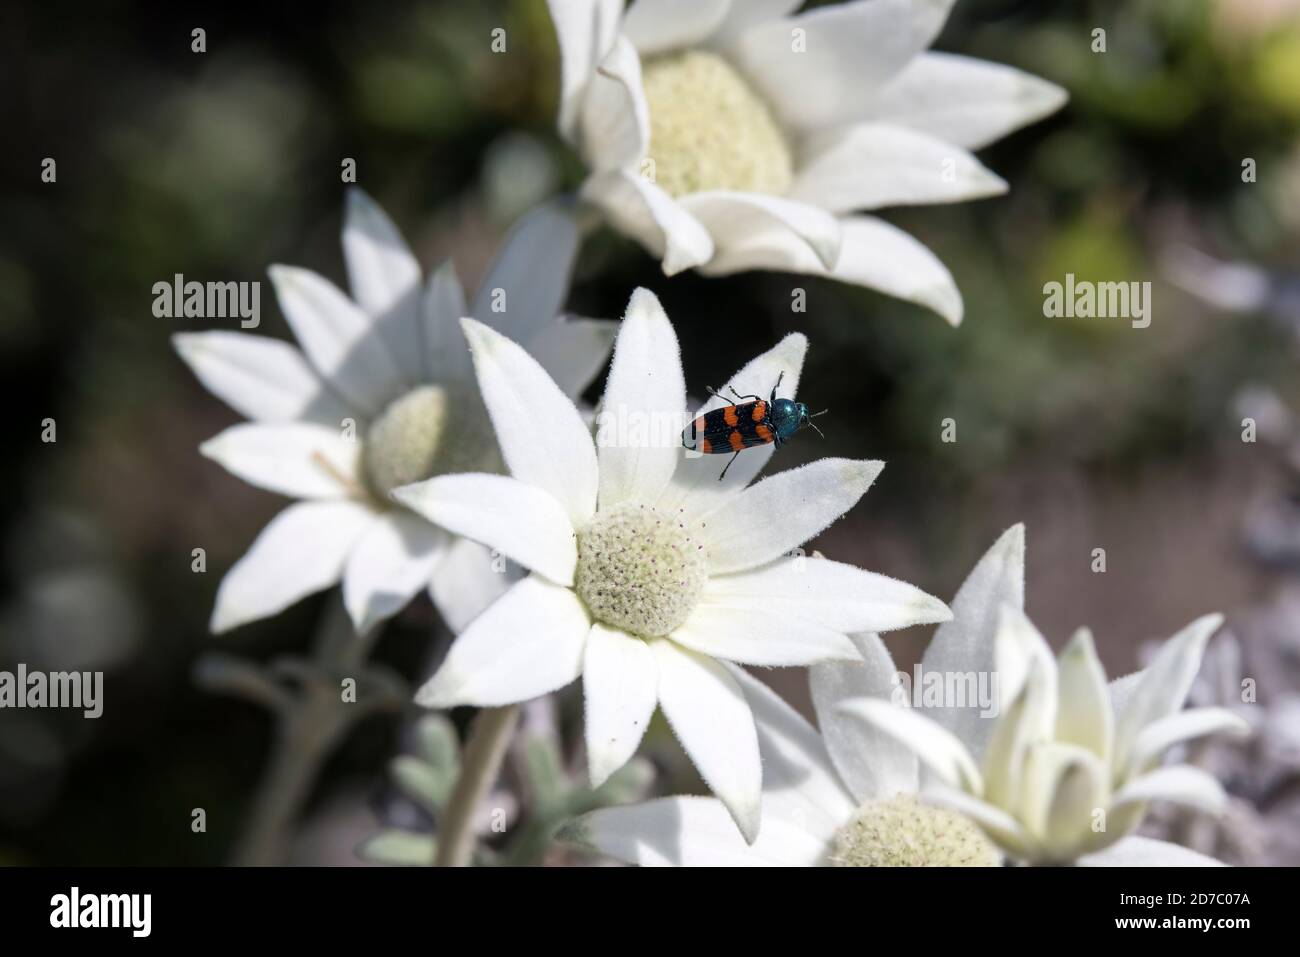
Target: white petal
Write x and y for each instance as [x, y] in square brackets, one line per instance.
[800, 787]
[757, 636]
[615, 114]
[293, 458]
[639, 426]
[850, 51]
[525, 287]
[743, 14]
[709, 714]
[520, 521]
[263, 379]
[691, 832]
[447, 357]
[656, 26]
[527, 644]
[1159, 736]
[873, 764]
[390, 563]
[1178, 784]
[873, 253]
[937, 748]
[620, 681]
[965, 101]
[1064, 786]
[338, 337]
[1084, 716]
[695, 486]
[780, 513]
[1146, 852]
[572, 351]
[1001, 828]
[467, 580]
[1121, 690]
[966, 643]
[1164, 684]
[385, 280]
[542, 436]
[870, 165]
[585, 30]
[640, 209]
[826, 593]
[733, 218]
[302, 550]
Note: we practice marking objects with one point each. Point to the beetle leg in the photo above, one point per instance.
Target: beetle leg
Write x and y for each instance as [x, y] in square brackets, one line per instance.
[729, 461]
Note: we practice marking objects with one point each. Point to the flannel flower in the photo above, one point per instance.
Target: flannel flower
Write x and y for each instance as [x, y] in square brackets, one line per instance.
[380, 394]
[728, 135]
[649, 576]
[857, 795]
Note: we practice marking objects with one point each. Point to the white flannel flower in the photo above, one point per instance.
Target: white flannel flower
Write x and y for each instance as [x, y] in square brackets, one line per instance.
[646, 569]
[381, 394]
[853, 795]
[728, 135]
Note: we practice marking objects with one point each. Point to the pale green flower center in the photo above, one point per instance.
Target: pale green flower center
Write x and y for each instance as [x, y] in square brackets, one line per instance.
[710, 130]
[639, 569]
[423, 433]
[903, 832]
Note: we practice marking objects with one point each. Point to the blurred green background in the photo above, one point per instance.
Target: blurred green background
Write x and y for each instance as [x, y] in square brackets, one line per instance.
[217, 164]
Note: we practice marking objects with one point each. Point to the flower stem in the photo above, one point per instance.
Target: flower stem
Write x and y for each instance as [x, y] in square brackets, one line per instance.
[480, 763]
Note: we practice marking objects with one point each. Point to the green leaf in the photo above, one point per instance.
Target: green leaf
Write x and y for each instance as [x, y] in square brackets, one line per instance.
[399, 848]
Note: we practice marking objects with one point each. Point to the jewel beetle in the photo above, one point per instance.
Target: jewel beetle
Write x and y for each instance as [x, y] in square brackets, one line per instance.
[750, 423]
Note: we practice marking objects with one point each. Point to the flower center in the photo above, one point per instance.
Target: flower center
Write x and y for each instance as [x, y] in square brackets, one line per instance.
[710, 130]
[639, 569]
[411, 440]
[903, 832]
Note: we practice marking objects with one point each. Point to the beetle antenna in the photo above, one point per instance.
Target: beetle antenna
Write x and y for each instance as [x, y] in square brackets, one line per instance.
[815, 414]
[813, 426]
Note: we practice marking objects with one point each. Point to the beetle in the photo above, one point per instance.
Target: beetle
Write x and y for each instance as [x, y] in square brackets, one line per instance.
[750, 423]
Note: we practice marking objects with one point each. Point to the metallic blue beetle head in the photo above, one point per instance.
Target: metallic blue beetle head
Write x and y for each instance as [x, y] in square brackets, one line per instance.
[787, 416]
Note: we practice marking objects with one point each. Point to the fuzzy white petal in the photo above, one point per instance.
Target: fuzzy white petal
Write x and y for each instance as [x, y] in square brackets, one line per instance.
[642, 210]
[743, 14]
[850, 50]
[293, 458]
[572, 351]
[1161, 735]
[615, 115]
[695, 486]
[690, 832]
[800, 785]
[657, 26]
[1083, 716]
[302, 550]
[338, 338]
[1164, 684]
[712, 720]
[870, 165]
[620, 681]
[964, 101]
[827, 593]
[733, 217]
[757, 636]
[385, 279]
[794, 506]
[520, 521]
[1178, 784]
[873, 253]
[585, 30]
[936, 747]
[644, 409]
[873, 764]
[468, 580]
[542, 435]
[527, 644]
[1001, 828]
[390, 563]
[263, 379]
[965, 644]
[525, 287]
[1146, 852]
[447, 356]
